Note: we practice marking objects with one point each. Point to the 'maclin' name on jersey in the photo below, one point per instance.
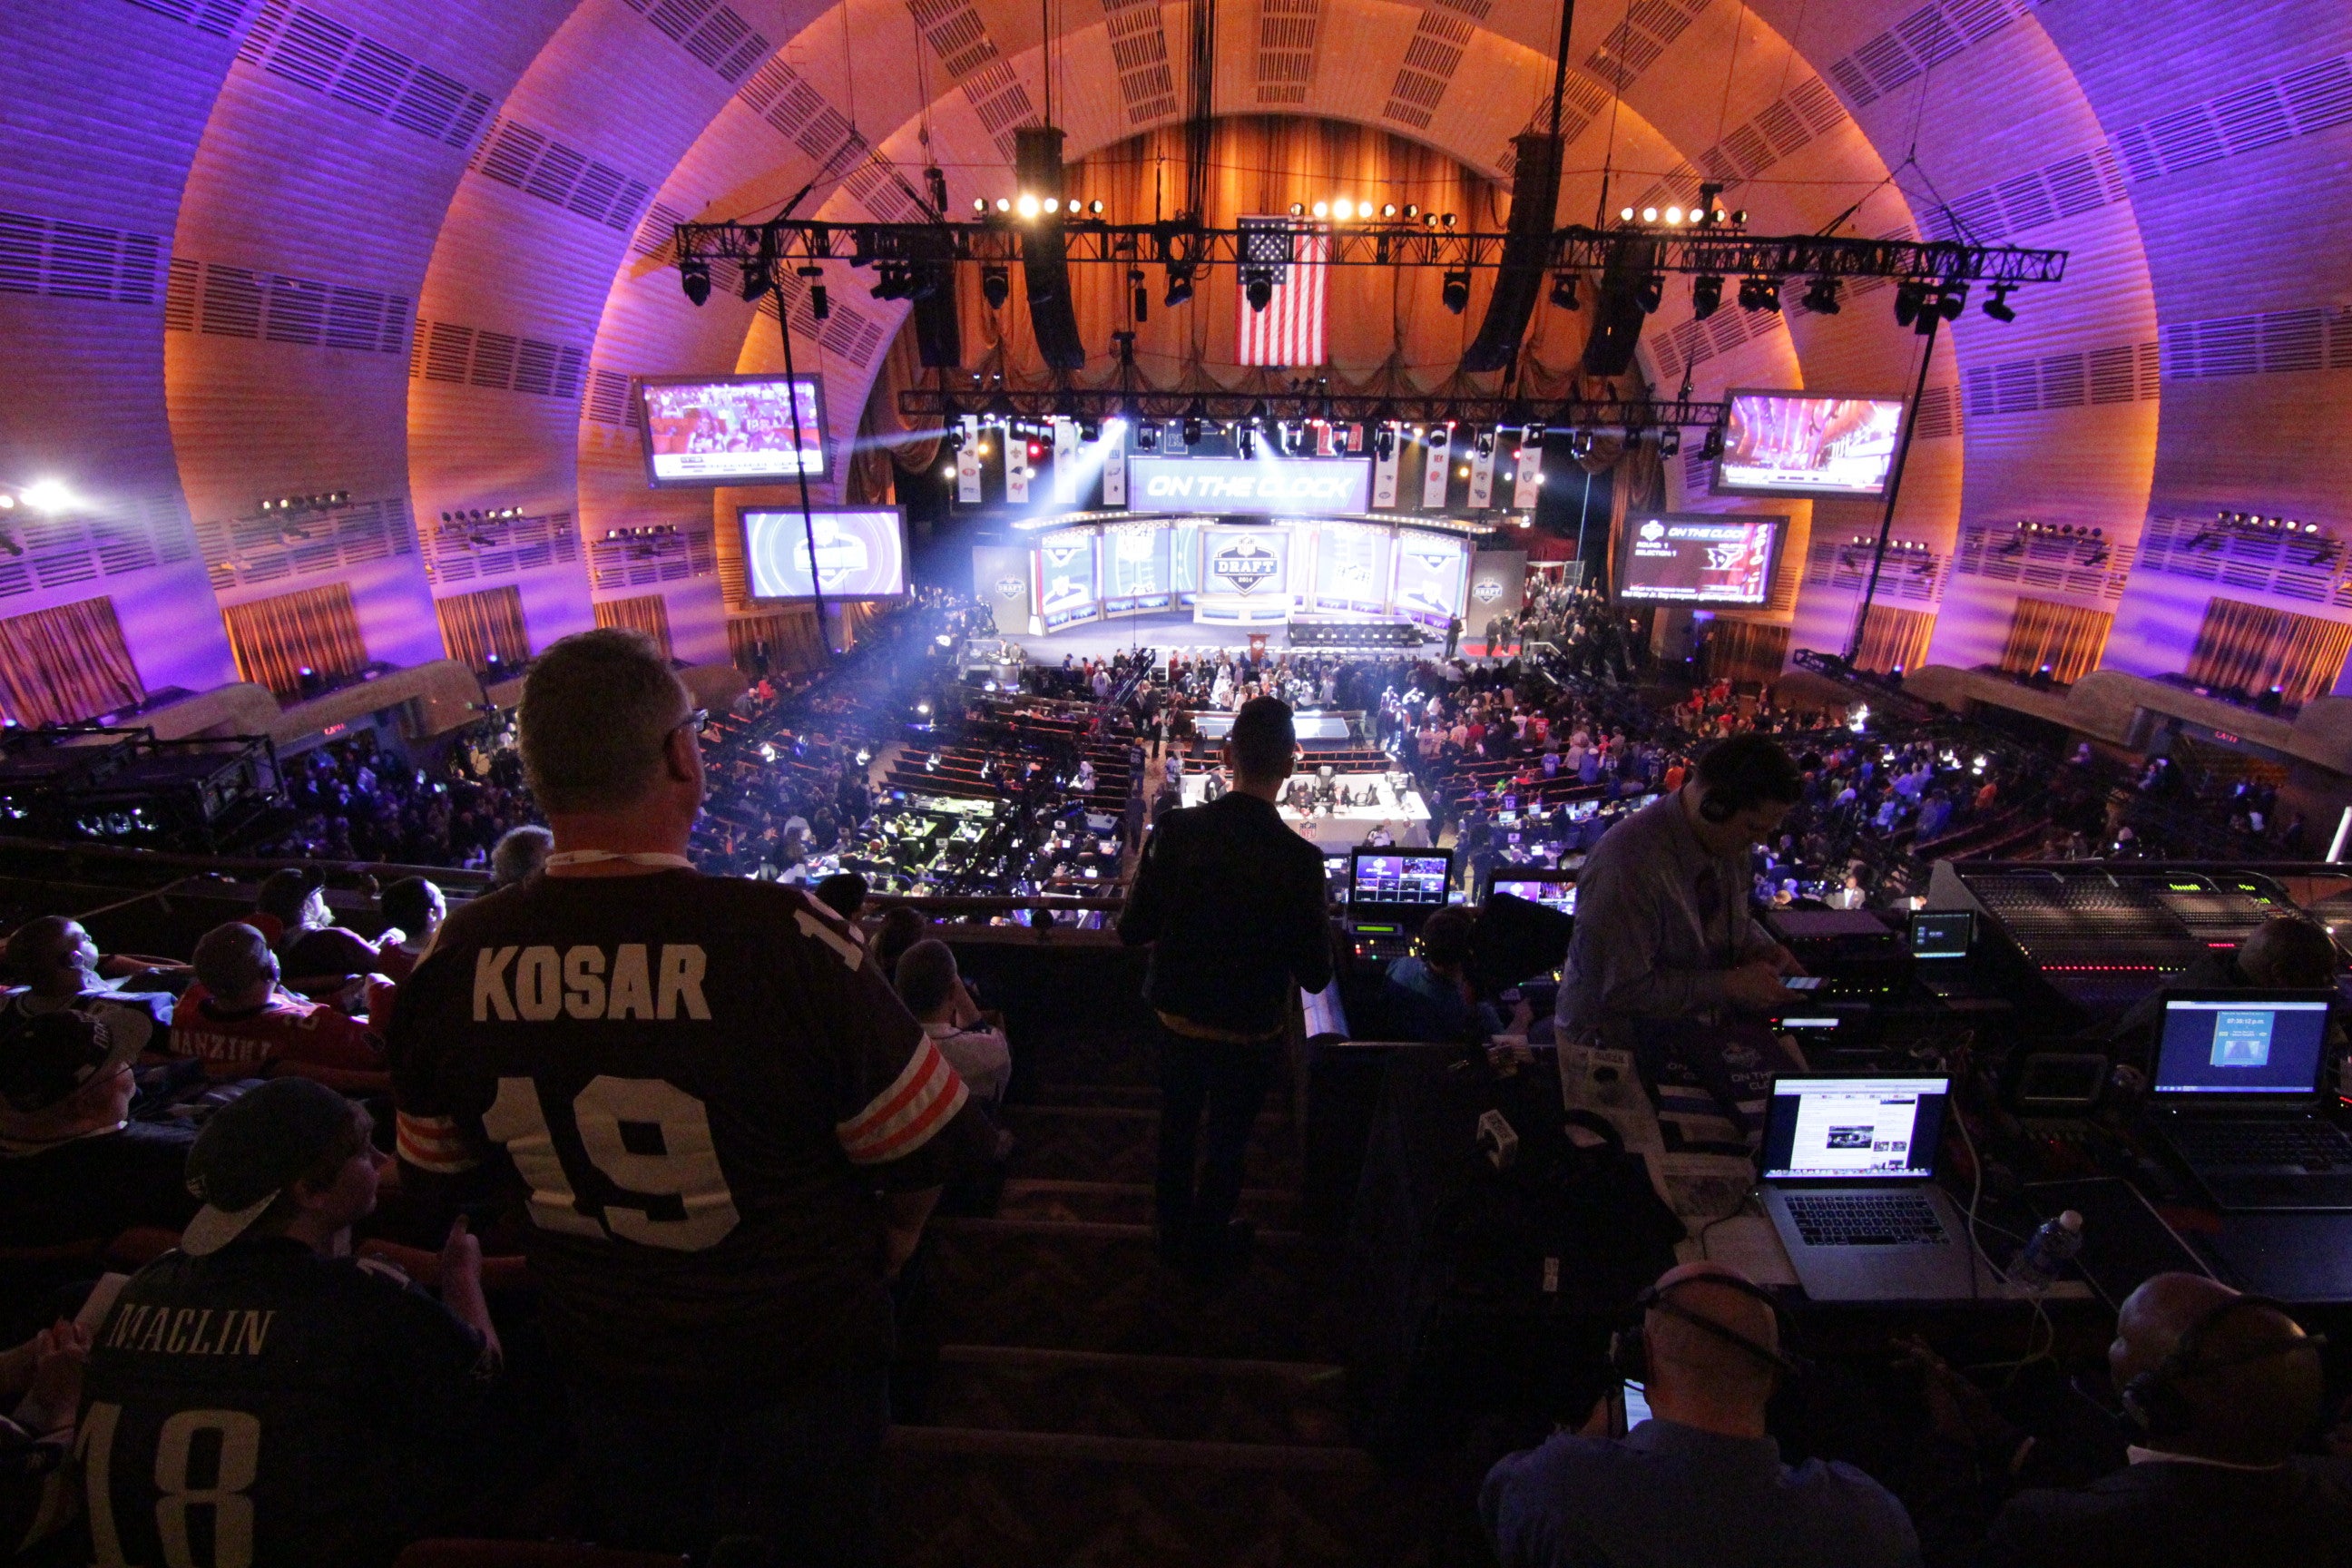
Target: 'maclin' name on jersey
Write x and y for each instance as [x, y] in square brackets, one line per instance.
[539, 984]
[189, 1331]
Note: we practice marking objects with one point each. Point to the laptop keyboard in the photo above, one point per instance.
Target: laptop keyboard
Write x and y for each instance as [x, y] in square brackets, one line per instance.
[1865, 1220]
[2309, 1145]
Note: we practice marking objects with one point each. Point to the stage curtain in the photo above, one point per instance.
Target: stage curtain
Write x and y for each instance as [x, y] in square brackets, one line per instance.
[647, 612]
[1746, 650]
[477, 625]
[1894, 639]
[66, 664]
[2066, 637]
[274, 639]
[790, 636]
[2253, 647]
[856, 614]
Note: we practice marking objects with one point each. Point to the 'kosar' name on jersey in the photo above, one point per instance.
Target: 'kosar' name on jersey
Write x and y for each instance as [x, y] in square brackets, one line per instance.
[537, 984]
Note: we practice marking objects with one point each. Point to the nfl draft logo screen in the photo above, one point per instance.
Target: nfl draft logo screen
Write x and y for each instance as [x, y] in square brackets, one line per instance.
[1243, 564]
[1487, 592]
[1009, 587]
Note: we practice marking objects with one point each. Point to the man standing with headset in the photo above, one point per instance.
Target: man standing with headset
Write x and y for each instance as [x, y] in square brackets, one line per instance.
[1662, 924]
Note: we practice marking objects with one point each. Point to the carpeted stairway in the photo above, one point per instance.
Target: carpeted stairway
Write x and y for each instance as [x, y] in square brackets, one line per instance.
[1089, 1405]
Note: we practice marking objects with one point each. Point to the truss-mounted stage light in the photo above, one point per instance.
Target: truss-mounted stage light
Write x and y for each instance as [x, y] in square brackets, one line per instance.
[1712, 448]
[995, 284]
[1455, 294]
[1759, 293]
[1955, 300]
[1651, 293]
[1485, 444]
[759, 277]
[694, 277]
[1670, 441]
[1258, 286]
[1996, 304]
[1910, 298]
[820, 299]
[1563, 292]
[1385, 442]
[1180, 287]
[1821, 296]
[1707, 295]
[1192, 431]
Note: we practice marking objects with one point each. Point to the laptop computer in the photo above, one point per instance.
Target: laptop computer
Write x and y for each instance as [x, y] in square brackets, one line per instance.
[1389, 893]
[1848, 1169]
[2236, 1092]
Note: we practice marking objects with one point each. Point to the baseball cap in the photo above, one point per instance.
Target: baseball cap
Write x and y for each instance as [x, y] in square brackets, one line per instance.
[282, 891]
[253, 1149]
[45, 1059]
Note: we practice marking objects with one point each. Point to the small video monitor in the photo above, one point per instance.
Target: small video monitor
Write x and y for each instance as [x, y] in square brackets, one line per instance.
[1942, 934]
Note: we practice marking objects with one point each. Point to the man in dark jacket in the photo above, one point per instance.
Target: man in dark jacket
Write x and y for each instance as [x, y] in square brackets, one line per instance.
[1233, 903]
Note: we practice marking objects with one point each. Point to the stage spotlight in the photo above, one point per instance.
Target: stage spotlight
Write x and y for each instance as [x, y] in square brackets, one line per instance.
[1259, 288]
[1996, 304]
[1090, 430]
[1759, 294]
[1486, 443]
[1180, 287]
[1026, 206]
[995, 285]
[1447, 220]
[1909, 299]
[1384, 443]
[1649, 215]
[1625, 215]
[1821, 296]
[694, 277]
[1712, 448]
[1147, 436]
[1438, 437]
[1299, 209]
[1053, 204]
[1650, 293]
[1563, 291]
[1670, 441]
[954, 440]
[1343, 209]
[1322, 210]
[1955, 300]
[1410, 212]
[980, 206]
[759, 277]
[1532, 436]
[1455, 293]
[1707, 295]
[1191, 432]
[1246, 442]
[1005, 204]
[1094, 208]
[1388, 209]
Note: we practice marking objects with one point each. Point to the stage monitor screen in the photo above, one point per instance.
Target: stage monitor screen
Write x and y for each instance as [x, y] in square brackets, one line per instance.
[1808, 444]
[1273, 486]
[1699, 559]
[860, 553]
[1429, 569]
[730, 429]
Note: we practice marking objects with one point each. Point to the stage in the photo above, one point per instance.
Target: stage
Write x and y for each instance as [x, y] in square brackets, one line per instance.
[1336, 828]
[1175, 631]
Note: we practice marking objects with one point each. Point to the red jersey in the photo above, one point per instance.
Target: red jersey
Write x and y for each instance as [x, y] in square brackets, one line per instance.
[287, 1036]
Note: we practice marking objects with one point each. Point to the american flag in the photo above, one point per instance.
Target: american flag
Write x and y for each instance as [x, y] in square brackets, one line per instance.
[1289, 330]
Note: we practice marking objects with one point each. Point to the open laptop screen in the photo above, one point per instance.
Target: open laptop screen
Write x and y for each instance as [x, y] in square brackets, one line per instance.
[2242, 1045]
[1876, 1129]
[1379, 877]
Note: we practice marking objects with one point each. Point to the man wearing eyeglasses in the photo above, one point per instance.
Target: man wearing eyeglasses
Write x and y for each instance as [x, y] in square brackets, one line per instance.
[724, 1127]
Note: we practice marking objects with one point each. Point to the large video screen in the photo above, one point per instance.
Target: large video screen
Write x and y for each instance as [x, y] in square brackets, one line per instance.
[1698, 559]
[1808, 444]
[860, 553]
[1135, 569]
[1066, 579]
[1430, 568]
[730, 429]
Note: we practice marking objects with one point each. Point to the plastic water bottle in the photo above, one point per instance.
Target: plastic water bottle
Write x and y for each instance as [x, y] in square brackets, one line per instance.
[2045, 1257]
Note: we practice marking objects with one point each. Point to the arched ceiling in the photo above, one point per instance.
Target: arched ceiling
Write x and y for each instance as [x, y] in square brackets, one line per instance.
[301, 181]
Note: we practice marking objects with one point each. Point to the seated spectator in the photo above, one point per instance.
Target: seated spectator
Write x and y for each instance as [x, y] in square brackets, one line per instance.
[844, 893]
[1700, 1484]
[342, 1405]
[934, 993]
[1429, 994]
[2285, 953]
[309, 943]
[519, 852]
[902, 927]
[2222, 1388]
[73, 1166]
[239, 1023]
[55, 964]
[40, 1386]
[415, 908]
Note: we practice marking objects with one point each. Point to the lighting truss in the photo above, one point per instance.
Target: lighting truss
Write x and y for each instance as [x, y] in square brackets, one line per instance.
[1268, 408]
[1655, 248]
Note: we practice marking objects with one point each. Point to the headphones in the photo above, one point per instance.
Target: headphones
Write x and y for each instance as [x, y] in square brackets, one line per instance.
[2154, 1400]
[1628, 1358]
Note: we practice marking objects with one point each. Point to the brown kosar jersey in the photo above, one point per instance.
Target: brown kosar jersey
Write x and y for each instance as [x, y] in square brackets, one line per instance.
[699, 1085]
